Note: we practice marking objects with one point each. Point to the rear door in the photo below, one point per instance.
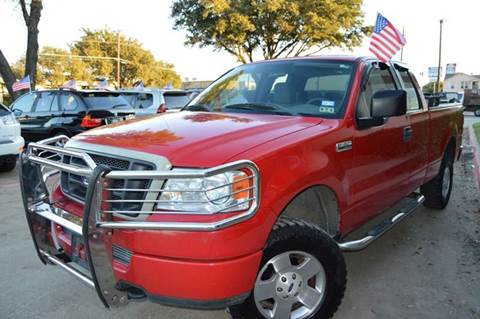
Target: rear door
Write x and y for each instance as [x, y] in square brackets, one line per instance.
[418, 117]
[380, 175]
[44, 112]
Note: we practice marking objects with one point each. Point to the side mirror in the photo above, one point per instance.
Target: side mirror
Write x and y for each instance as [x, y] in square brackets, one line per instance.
[17, 112]
[385, 104]
[389, 103]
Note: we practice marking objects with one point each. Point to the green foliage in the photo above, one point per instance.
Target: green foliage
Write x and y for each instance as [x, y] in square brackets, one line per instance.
[276, 27]
[94, 56]
[136, 64]
[430, 87]
[476, 129]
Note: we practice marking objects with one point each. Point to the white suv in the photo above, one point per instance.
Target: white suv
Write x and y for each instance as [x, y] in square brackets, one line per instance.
[11, 142]
[153, 101]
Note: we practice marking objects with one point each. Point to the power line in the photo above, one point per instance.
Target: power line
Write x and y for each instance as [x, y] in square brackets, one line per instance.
[89, 57]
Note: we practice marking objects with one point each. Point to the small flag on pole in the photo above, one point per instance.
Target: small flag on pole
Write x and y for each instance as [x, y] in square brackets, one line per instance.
[140, 86]
[386, 39]
[23, 84]
[72, 84]
[102, 85]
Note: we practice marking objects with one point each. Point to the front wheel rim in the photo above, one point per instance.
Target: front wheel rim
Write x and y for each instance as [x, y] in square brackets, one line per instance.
[290, 285]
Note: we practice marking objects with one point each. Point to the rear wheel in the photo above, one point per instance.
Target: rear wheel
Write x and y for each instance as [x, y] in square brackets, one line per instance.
[437, 191]
[8, 163]
[302, 275]
[60, 143]
[477, 112]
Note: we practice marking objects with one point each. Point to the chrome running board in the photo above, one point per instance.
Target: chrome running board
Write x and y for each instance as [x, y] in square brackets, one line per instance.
[383, 227]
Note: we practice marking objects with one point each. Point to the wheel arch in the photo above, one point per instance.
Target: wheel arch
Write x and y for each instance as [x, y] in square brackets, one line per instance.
[56, 130]
[317, 204]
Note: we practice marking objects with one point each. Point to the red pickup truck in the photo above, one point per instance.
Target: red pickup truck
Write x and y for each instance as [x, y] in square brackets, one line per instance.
[245, 198]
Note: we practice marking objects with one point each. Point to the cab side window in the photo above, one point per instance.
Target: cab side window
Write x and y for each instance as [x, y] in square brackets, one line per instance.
[379, 79]
[25, 103]
[413, 99]
[44, 102]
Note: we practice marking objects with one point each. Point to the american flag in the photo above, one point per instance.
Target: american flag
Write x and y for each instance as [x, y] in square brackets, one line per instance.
[72, 84]
[102, 85]
[386, 39]
[23, 84]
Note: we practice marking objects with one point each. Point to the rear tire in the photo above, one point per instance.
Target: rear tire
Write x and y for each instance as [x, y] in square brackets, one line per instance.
[437, 191]
[60, 133]
[285, 286]
[477, 112]
[8, 163]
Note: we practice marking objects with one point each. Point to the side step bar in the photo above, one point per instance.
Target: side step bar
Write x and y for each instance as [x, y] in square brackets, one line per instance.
[383, 227]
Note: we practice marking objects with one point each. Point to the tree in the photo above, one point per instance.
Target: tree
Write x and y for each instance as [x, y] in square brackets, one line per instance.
[278, 28]
[136, 64]
[430, 87]
[32, 19]
[94, 56]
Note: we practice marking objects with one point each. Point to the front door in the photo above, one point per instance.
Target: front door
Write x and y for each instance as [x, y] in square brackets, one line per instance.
[381, 153]
[23, 110]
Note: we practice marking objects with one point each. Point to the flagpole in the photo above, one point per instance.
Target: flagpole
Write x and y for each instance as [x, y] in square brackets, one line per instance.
[401, 52]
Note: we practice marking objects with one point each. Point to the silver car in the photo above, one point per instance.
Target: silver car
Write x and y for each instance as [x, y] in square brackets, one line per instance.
[153, 101]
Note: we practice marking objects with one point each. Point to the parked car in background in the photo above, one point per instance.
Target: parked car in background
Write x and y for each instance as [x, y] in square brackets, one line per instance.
[11, 142]
[49, 113]
[471, 101]
[449, 97]
[192, 93]
[153, 101]
[245, 198]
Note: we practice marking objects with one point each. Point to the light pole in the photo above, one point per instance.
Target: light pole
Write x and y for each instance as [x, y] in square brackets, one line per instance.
[118, 59]
[437, 87]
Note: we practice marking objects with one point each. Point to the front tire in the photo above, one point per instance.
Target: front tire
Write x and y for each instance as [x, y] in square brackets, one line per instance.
[302, 275]
[437, 191]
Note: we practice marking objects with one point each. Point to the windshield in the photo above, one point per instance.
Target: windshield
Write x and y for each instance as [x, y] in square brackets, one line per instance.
[300, 87]
[104, 100]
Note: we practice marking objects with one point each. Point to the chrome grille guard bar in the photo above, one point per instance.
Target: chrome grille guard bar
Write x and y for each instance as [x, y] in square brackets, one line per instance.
[34, 154]
[42, 160]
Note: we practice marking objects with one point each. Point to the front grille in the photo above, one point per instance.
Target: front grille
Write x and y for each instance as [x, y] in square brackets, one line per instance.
[75, 186]
[121, 254]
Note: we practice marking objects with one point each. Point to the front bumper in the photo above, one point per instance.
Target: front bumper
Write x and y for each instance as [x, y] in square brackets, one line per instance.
[12, 146]
[179, 282]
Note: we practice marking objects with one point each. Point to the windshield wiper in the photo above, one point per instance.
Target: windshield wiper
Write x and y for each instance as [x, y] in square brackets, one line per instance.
[118, 105]
[261, 107]
[196, 107]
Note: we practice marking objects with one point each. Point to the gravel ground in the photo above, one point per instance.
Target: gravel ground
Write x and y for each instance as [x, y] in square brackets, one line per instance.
[426, 267]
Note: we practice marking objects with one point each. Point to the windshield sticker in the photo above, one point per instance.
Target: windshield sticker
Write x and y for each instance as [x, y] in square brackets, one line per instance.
[328, 103]
[326, 109]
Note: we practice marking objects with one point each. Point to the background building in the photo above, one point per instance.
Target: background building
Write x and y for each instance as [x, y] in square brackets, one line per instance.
[460, 81]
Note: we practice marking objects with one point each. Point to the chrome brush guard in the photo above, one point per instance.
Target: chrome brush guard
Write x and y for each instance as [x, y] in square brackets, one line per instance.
[43, 160]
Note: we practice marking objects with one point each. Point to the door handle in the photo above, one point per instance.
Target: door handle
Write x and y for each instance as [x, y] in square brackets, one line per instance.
[407, 133]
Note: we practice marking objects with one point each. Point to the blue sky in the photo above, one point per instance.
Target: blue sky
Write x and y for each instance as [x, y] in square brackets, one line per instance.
[149, 21]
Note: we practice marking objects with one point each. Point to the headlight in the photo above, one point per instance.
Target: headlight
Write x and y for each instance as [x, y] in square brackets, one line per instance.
[8, 119]
[227, 192]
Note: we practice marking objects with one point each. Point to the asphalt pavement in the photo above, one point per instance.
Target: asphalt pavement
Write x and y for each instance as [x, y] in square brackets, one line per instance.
[426, 267]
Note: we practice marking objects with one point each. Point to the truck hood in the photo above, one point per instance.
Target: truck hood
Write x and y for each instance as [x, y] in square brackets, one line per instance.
[193, 139]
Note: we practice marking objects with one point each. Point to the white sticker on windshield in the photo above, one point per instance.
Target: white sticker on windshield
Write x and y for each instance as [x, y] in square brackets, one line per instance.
[326, 109]
[328, 103]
